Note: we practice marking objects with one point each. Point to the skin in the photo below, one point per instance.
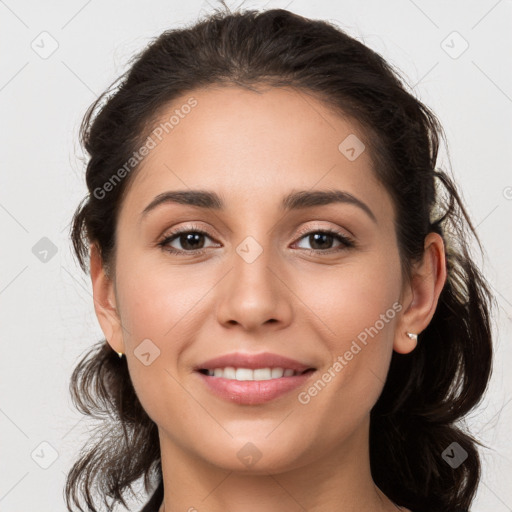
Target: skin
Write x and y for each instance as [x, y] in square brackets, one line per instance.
[252, 149]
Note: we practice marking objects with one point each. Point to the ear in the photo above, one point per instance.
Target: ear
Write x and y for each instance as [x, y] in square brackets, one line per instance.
[421, 294]
[105, 301]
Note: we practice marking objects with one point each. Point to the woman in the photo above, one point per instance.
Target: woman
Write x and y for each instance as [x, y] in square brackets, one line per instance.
[285, 276]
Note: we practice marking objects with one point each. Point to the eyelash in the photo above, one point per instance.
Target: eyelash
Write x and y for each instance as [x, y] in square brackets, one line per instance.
[347, 241]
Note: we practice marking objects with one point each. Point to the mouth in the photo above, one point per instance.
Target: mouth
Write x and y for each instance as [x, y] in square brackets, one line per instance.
[252, 379]
[244, 390]
[260, 363]
[249, 374]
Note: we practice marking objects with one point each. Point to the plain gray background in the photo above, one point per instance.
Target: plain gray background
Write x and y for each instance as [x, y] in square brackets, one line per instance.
[46, 309]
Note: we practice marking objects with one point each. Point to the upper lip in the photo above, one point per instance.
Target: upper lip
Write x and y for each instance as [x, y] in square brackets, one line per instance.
[253, 361]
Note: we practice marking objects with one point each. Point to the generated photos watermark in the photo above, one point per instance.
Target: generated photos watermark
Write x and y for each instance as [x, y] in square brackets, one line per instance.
[150, 143]
[304, 397]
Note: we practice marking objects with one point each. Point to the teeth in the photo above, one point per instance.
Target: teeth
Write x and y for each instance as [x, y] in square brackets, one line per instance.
[248, 374]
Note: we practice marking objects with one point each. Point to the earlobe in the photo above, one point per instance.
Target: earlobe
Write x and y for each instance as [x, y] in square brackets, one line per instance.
[104, 301]
[427, 281]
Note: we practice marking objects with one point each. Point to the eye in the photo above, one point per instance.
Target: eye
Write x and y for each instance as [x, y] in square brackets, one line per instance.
[190, 237]
[323, 238]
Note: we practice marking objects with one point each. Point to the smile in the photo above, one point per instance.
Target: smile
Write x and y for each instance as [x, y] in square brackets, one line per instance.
[241, 387]
[240, 374]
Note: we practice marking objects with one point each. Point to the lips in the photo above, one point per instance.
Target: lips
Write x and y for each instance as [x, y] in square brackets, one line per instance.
[254, 361]
[253, 392]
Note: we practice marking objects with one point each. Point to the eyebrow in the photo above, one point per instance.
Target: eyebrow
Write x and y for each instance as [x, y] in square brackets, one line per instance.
[295, 200]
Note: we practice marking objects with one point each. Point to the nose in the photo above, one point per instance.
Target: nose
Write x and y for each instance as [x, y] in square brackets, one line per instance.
[255, 293]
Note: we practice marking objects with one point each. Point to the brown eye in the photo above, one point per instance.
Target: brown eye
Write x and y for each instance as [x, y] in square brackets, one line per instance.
[190, 238]
[321, 241]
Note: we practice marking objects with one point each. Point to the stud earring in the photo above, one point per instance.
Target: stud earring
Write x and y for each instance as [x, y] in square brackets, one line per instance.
[412, 336]
[120, 354]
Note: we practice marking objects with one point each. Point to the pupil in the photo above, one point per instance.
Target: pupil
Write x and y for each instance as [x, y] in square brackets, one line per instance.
[189, 239]
[316, 236]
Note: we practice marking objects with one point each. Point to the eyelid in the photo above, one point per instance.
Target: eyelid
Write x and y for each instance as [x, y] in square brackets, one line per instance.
[347, 240]
[185, 229]
[329, 229]
[174, 233]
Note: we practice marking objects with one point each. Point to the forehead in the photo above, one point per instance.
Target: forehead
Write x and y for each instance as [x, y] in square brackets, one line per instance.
[254, 147]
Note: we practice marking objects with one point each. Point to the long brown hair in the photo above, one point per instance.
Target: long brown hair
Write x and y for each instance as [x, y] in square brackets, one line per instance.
[428, 391]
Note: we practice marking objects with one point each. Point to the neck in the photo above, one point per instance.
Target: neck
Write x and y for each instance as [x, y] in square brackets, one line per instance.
[338, 480]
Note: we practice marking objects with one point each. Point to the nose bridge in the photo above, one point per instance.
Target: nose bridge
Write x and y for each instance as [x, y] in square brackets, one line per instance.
[252, 293]
[251, 266]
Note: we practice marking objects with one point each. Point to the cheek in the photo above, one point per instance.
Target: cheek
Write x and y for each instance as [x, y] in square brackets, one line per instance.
[353, 296]
[357, 308]
[157, 301]
[158, 308]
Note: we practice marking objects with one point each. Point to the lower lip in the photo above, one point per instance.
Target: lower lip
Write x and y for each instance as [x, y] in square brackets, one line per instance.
[253, 392]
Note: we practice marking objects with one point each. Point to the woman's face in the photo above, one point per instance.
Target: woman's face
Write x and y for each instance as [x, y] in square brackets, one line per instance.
[263, 280]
